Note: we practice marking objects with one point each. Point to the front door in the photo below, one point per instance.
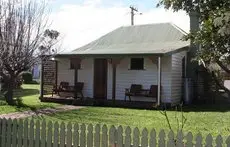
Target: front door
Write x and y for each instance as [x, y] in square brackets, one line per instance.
[100, 78]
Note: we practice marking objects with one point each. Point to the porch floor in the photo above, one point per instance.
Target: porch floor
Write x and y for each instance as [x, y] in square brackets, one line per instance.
[99, 102]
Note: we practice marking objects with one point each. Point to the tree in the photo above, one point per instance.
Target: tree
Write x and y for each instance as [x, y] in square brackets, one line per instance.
[22, 33]
[213, 36]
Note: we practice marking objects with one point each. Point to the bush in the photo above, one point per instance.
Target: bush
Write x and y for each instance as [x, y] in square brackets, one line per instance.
[27, 77]
[34, 82]
[17, 84]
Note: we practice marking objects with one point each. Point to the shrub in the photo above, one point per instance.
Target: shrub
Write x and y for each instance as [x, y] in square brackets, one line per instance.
[17, 84]
[27, 77]
[34, 82]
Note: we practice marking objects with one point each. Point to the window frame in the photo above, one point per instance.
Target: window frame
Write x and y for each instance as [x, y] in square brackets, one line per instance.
[132, 62]
[71, 66]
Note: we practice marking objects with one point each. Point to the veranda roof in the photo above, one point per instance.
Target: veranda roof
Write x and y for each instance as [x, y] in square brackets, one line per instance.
[158, 38]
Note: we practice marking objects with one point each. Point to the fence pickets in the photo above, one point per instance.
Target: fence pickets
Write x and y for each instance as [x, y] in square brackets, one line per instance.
[30, 133]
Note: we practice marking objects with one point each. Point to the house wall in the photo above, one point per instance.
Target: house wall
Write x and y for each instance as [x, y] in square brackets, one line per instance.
[125, 77]
[147, 77]
[85, 74]
[177, 76]
[64, 73]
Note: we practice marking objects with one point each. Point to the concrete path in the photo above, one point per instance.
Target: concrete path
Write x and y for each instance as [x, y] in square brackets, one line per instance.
[46, 111]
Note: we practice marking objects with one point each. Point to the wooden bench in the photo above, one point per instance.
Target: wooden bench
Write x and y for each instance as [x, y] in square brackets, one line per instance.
[136, 90]
[65, 87]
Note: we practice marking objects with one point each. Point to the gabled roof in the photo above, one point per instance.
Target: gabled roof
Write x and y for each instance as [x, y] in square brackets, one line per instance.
[158, 38]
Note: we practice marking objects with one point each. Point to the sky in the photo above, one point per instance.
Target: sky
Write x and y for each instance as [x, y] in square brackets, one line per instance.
[82, 21]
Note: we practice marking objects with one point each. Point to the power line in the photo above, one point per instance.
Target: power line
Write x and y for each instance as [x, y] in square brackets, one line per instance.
[133, 10]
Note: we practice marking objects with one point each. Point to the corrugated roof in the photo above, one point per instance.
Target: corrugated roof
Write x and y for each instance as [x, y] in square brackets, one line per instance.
[140, 39]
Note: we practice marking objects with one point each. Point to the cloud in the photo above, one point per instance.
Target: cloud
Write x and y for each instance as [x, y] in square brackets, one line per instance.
[81, 23]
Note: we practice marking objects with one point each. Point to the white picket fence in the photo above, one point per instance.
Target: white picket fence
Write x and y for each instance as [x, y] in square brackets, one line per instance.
[18, 133]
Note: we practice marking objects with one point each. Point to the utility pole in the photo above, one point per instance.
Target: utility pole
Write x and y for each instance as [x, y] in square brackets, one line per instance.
[132, 14]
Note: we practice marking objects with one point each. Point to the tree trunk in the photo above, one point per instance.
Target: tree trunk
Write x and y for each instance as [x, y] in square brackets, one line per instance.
[9, 91]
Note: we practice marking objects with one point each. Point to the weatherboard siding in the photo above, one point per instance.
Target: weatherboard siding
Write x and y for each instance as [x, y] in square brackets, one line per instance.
[147, 77]
[65, 74]
[85, 74]
[124, 79]
[177, 76]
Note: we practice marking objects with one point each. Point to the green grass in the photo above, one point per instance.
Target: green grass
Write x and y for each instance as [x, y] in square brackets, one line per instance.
[29, 94]
[197, 122]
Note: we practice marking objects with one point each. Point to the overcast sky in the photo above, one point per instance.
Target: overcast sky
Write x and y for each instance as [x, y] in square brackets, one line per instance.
[82, 21]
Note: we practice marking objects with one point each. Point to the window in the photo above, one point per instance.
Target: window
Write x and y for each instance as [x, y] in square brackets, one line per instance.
[137, 64]
[72, 65]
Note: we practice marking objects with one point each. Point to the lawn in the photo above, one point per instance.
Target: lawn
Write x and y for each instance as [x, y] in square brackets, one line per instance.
[202, 121]
[29, 94]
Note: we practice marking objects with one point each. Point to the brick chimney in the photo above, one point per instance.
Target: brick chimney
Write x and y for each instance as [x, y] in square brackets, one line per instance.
[194, 27]
[192, 66]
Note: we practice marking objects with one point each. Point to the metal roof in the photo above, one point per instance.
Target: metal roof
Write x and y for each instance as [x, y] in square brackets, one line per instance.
[140, 39]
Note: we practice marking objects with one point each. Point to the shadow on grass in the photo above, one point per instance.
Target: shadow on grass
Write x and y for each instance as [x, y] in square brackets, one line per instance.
[219, 104]
[21, 93]
[25, 92]
[24, 107]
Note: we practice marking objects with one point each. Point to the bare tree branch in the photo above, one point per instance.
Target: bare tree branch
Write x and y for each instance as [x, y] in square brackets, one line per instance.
[22, 27]
[225, 68]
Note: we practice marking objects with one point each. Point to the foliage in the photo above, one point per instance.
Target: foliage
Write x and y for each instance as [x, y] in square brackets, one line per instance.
[214, 33]
[27, 77]
[23, 30]
[180, 123]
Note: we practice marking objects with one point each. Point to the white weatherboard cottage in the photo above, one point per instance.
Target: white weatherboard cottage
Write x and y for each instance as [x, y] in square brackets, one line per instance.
[151, 54]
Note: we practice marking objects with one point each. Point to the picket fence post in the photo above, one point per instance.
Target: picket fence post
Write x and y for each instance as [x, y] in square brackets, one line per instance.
[90, 136]
[43, 134]
[76, 135]
[189, 138]
[24, 133]
[20, 133]
[25, 137]
[104, 136]
[180, 136]
[144, 138]
[49, 134]
[127, 137]
[82, 136]
[152, 140]
[112, 136]
[69, 135]
[9, 133]
[14, 138]
[161, 142]
[209, 140]
[97, 138]
[37, 134]
[198, 140]
[171, 140]
[136, 137]
[120, 136]
[62, 135]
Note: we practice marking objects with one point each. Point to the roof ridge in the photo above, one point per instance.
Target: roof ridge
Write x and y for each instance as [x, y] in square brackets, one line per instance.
[148, 24]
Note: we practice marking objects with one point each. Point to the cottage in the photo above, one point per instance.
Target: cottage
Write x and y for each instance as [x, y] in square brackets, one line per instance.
[146, 56]
[151, 54]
